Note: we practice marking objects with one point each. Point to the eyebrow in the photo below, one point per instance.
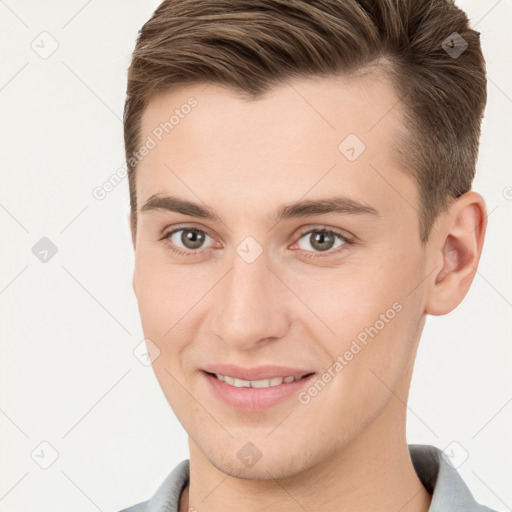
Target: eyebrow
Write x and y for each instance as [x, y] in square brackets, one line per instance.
[337, 204]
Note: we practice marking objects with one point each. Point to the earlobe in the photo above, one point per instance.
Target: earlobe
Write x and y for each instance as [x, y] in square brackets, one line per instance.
[463, 231]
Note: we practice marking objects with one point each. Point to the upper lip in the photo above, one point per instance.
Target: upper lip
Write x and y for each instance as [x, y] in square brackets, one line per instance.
[255, 373]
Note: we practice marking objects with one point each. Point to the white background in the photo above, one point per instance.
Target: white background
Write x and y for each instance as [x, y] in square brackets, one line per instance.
[68, 327]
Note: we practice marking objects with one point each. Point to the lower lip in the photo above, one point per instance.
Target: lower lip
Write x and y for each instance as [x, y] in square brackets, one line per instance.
[255, 399]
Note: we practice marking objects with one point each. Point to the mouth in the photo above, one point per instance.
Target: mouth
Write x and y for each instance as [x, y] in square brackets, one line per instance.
[256, 395]
[261, 383]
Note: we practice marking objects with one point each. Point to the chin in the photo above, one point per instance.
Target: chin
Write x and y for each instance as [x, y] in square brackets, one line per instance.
[274, 465]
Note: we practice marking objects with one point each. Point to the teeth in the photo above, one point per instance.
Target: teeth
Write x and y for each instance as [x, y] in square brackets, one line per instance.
[265, 383]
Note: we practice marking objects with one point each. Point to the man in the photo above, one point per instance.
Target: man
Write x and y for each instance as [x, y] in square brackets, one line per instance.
[300, 186]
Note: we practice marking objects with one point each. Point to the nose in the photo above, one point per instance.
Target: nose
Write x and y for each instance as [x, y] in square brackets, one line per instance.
[252, 307]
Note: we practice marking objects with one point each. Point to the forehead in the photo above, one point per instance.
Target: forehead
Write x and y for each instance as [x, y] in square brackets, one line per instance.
[314, 134]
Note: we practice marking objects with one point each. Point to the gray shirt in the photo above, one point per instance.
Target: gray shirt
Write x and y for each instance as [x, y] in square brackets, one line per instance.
[442, 481]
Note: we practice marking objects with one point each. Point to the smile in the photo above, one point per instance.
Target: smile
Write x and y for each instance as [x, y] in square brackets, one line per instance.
[264, 383]
[255, 395]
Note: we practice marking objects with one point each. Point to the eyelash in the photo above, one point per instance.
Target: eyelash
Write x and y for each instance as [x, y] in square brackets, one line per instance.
[347, 242]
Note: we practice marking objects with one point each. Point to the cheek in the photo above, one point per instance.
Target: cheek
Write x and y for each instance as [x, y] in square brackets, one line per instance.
[370, 362]
[345, 301]
[371, 316]
[379, 346]
[163, 292]
[170, 298]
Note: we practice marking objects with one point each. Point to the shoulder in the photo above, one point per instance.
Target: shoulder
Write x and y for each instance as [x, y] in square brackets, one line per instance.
[167, 496]
[140, 507]
[439, 476]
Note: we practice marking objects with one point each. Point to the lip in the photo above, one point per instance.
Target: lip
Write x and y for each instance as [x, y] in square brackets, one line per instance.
[255, 399]
[256, 373]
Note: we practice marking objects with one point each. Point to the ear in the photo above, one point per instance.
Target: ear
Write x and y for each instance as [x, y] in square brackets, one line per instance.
[456, 250]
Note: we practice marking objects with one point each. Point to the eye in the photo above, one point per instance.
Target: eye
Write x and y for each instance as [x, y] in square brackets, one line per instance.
[323, 240]
[190, 239]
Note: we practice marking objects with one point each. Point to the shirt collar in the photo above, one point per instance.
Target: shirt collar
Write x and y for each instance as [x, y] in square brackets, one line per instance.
[442, 481]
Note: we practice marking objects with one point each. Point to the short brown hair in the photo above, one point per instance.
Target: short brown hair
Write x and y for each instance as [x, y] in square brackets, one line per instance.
[251, 45]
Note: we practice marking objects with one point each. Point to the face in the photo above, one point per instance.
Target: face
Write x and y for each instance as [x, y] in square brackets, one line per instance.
[334, 291]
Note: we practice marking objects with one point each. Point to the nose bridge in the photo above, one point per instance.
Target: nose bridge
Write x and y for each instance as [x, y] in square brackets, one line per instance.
[249, 310]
